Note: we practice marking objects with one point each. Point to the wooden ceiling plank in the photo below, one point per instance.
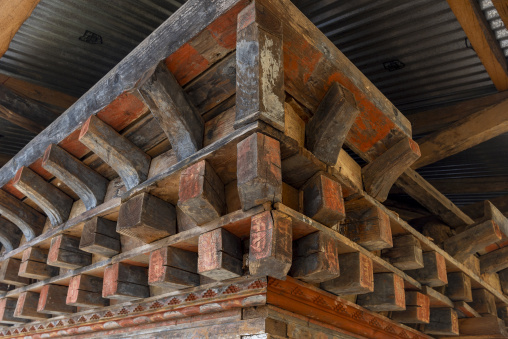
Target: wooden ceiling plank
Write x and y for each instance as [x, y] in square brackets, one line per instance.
[477, 29]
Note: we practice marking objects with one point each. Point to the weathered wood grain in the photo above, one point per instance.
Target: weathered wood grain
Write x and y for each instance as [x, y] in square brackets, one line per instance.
[380, 175]
[406, 253]
[146, 218]
[464, 310]
[484, 302]
[34, 266]
[52, 300]
[26, 218]
[125, 282]
[65, 253]
[9, 273]
[388, 294]
[327, 130]
[219, 255]
[130, 162]
[486, 327]
[27, 307]
[173, 268]
[7, 307]
[356, 275]
[10, 235]
[323, 201]
[443, 321]
[259, 67]
[55, 203]
[259, 171]
[459, 287]
[433, 272]
[201, 193]
[86, 291]
[177, 116]
[417, 309]
[494, 261]
[99, 236]
[89, 185]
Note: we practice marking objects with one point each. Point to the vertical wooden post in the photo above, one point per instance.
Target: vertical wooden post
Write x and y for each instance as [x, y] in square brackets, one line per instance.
[52, 300]
[219, 255]
[356, 275]
[99, 236]
[388, 294]
[27, 306]
[86, 291]
[259, 68]
[201, 193]
[322, 200]
[125, 282]
[173, 267]
[270, 250]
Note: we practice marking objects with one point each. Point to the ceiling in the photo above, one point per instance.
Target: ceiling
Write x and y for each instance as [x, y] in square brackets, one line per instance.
[415, 52]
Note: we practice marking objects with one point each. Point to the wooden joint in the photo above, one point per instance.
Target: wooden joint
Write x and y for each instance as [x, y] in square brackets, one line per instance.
[173, 268]
[433, 272]
[356, 275]
[65, 253]
[406, 253]
[388, 294]
[443, 321]
[459, 287]
[417, 309]
[9, 273]
[34, 264]
[125, 282]
[7, 308]
[86, 291]
[52, 300]
[483, 302]
[99, 236]
[27, 306]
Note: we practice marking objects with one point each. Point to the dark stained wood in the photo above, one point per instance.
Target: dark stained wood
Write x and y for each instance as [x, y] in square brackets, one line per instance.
[7, 307]
[52, 300]
[125, 282]
[486, 327]
[146, 218]
[471, 185]
[380, 175]
[294, 125]
[177, 116]
[433, 272]
[367, 225]
[259, 67]
[503, 278]
[443, 321]
[34, 266]
[27, 306]
[300, 167]
[86, 291]
[65, 253]
[201, 193]
[494, 261]
[472, 240]
[388, 294]
[326, 131]
[55, 203]
[484, 302]
[99, 237]
[9, 273]
[259, 171]
[419, 189]
[219, 255]
[464, 310]
[270, 248]
[10, 235]
[417, 309]
[356, 275]
[173, 268]
[28, 220]
[315, 258]
[406, 253]
[459, 287]
[437, 299]
[322, 200]
[89, 185]
[130, 162]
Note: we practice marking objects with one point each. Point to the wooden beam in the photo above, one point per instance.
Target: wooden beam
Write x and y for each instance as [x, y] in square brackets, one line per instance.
[476, 210]
[429, 197]
[52, 300]
[99, 236]
[406, 253]
[494, 261]
[10, 235]
[89, 185]
[173, 268]
[65, 253]
[388, 294]
[55, 203]
[29, 221]
[443, 321]
[322, 200]
[484, 302]
[464, 134]
[459, 287]
[12, 16]
[433, 272]
[27, 306]
[34, 264]
[220, 255]
[464, 310]
[471, 185]
[125, 282]
[128, 160]
[479, 33]
[7, 308]
[177, 117]
[86, 291]
[417, 309]
[9, 273]
[356, 275]
[484, 327]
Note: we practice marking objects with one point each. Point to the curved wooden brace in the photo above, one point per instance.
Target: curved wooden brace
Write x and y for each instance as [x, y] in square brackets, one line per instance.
[55, 203]
[128, 160]
[10, 235]
[27, 219]
[89, 185]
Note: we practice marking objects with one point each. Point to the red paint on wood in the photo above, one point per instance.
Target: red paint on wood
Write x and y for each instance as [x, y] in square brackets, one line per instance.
[110, 285]
[9, 188]
[224, 28]
[37, 168]
[186, 63]
[72, 145]
[122, 111]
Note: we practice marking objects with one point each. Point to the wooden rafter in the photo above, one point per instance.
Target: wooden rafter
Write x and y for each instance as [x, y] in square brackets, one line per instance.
[482, 39]
[12, 16]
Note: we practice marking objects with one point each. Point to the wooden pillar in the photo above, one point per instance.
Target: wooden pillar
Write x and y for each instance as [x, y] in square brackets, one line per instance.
[380, 175]
[315, 258]
[259, 171]
[27, 307]
[176, 115]
[270, 248]
[259, 68]
[7, 308]
[174, 268]
[146, 218]
[201, 193]
[86, 291]
[130, 162]
[99, 236]
[89, 185]
[406, 253]
[28, 220]
[125, 282]
[9, 273]
[443, 321]
[322, 200]
[327, 130]
[356, 275]
[34, 266]
[459, 287]
[220, 255]
[388, 294]
[52, 300]
[433, 272]
[417, 309]
[10, 235]
[367, 225]
[65, 253]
